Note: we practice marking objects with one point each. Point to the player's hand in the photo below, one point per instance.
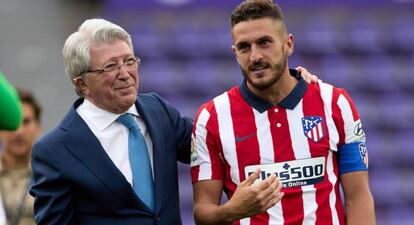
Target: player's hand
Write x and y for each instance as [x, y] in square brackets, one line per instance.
[306, 75]
[251, 199]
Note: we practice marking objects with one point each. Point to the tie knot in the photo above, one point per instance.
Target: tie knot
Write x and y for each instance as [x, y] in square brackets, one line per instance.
[127, 120]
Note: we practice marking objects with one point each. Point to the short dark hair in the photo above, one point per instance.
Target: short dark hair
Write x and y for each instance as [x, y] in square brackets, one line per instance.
[28, 98]
[256, 9]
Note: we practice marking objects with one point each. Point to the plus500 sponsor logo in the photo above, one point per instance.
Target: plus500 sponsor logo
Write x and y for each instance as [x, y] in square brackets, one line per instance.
[293, 173]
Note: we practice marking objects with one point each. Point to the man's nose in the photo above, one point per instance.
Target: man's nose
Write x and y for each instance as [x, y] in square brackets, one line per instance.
[255, 54]
[123, 72]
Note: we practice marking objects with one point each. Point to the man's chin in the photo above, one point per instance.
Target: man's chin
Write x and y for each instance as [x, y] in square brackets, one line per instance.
[262, 85]
[128, 102]
[126, 91]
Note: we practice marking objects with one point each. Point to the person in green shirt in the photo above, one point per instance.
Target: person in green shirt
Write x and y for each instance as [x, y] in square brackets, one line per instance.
[10, 107]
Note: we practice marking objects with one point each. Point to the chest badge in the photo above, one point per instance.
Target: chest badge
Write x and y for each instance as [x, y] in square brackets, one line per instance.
[313, 127]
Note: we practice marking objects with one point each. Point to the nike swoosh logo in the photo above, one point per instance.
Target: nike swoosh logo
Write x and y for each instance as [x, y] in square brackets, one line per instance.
[238, 139]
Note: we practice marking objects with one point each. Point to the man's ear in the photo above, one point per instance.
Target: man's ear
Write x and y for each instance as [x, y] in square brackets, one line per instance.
[289, 43]
[80, 84]
[233, 48]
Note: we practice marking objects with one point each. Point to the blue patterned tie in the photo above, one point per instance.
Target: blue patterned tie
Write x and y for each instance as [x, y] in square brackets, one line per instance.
[139, 160]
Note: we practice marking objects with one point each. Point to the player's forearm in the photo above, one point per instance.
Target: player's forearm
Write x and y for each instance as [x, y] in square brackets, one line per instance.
[361, 211]
[209, 214]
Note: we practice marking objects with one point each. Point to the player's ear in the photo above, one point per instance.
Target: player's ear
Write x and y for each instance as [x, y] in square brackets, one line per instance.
[289, 44]
[233, 48]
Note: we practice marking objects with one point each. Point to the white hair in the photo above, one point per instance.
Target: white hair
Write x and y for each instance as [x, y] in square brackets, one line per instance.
[76, 55]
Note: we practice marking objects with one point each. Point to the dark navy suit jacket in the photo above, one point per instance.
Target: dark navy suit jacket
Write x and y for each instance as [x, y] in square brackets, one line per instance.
[75, 181]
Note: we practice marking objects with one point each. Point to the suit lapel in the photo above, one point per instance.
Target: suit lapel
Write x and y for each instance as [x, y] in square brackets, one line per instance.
[155, 130]
[83, 144]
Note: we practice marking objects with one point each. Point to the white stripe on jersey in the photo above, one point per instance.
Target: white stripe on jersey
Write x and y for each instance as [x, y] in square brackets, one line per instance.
[332, 196]
[264, 137]
[348, 116]
[301, 150]
[226, 131]
[245, 221]
[327, 94]
[200, 144]
[299, 141]
[320, 131]
[267, 153]
[315, 134]
[309, 204]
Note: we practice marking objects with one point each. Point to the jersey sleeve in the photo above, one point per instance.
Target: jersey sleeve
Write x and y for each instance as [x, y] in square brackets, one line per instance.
[206, 163]
[352, 151]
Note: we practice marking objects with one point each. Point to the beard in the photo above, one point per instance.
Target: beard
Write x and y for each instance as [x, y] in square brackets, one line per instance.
[278, 70]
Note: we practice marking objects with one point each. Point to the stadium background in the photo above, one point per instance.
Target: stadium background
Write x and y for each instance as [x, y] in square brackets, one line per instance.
[366, 47]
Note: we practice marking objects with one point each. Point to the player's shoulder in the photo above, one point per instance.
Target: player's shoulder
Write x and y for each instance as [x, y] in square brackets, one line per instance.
[324, 87]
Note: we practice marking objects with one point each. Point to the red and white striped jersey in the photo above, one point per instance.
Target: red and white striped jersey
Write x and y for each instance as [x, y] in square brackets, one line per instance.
[298, 140]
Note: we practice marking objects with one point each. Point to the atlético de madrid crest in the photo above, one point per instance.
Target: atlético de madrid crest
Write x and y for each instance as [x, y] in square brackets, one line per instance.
[313, 127]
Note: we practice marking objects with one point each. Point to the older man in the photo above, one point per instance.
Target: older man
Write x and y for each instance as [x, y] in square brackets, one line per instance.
[113, 158]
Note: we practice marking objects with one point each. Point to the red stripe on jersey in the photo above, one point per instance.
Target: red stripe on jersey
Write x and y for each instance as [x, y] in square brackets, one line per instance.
[195, 170]
[244, 128]
[230, 187]
[313, 106]
[260, 219]
[214, 147]
[292, 202]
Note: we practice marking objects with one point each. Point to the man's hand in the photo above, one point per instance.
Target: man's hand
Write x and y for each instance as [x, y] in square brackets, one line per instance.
[251, 199]
[306, 75]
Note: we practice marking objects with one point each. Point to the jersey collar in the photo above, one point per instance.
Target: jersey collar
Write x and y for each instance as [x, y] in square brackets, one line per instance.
[289, 102]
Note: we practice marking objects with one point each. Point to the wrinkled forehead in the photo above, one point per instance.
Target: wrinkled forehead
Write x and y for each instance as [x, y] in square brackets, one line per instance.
[103, 51]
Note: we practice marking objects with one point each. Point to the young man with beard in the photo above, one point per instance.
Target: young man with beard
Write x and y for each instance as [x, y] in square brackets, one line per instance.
[277, 146]
[15, 172]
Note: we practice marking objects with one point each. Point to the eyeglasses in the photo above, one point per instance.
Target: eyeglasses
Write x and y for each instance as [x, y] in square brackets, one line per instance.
[130, 63]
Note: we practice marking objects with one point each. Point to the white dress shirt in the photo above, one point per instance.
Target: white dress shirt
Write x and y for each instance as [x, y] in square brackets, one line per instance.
[113, 136]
